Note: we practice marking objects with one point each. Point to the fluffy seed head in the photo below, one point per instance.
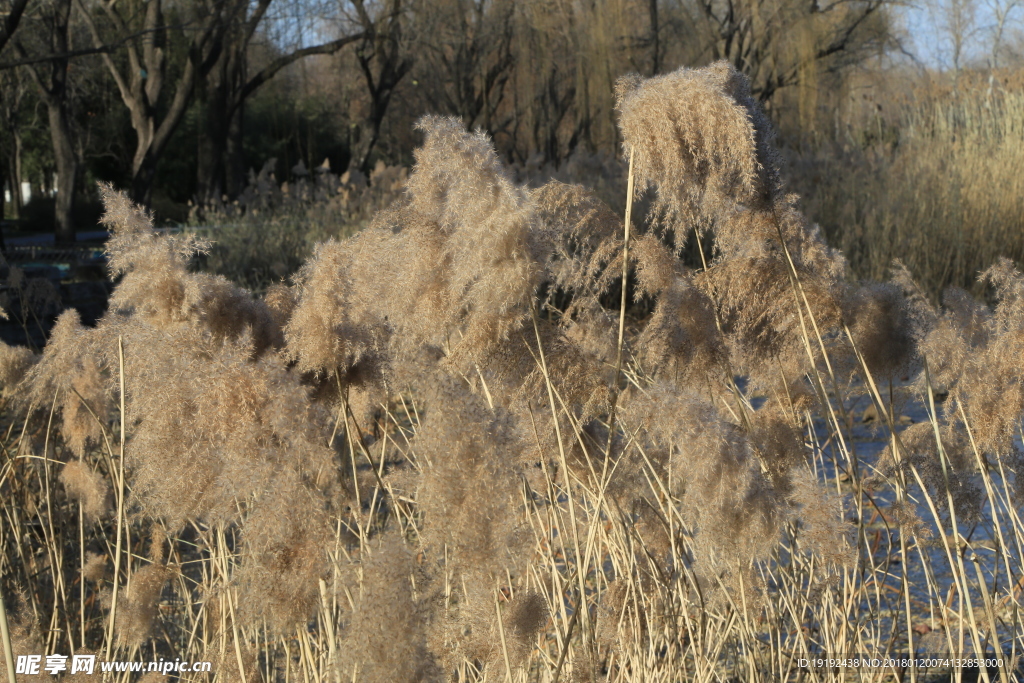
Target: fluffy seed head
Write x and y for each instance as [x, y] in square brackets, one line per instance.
[95, 566]
[88, 487]
[139, 609]
[285, 555]
[385, 640]
[86, 407]
[881, 326]
[15, 362]
[697, 136]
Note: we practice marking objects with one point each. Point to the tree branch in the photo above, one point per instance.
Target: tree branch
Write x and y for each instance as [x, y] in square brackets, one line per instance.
[271, 69]
[99, 47]
[11, 22]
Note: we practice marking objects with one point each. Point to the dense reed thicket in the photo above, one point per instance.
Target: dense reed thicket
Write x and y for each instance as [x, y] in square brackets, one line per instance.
[934, 179]
[500, 434]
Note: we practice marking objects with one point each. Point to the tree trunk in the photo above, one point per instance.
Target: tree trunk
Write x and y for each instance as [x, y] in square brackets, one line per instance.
[226, 85]
[213, 139]
[369, 135]
[12, 171]
[17, 204]
[3, 179]
[54, 89]
[67, 171]
[142, 179]
[652, 10]
[221, 167]
[141, 77]
[234, 164]
[384, 60]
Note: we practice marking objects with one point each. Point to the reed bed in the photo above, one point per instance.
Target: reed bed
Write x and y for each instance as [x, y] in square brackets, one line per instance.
[503, 433]
[936, 180]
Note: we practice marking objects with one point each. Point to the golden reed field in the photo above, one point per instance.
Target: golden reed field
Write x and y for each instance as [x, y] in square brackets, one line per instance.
[506, 433]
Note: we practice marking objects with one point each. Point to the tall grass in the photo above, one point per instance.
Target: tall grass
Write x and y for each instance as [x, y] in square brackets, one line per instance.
[504, 434]
[273, 227]
[937, 180]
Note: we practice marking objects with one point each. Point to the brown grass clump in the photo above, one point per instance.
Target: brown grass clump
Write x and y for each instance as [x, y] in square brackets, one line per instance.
[455, 255]
[51, 378]
[698, 136]
[882, 329]
[139, 607]
[823, 531]
[157, 287]
[86, 409]
[95, 566]
[951, 471]
[286, 540]
[578, 241]
[991, 389]
[733, 511]
[467, 494]
[932, 177]
[15, 361]
[25, 636]
[524, 619]
[682, 336]
[699, 139]
[460, 185]
[973, 355]
[273, 227]
[233, 412]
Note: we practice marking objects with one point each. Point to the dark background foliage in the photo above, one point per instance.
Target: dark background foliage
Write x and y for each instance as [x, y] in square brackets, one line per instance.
[179, 102]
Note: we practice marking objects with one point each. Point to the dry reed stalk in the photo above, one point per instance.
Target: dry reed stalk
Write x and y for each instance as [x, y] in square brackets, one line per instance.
[5, 635]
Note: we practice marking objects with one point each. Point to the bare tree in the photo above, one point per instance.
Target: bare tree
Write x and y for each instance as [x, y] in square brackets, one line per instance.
[142, 76]
[384, 58]
[226, 87]
[51, 77]
[956, 22]
[960, 21]
[12, 91]
[1001, 11]
[652, 12]
[774, 41]
[568, 57]
[12, 17]
[468, 56]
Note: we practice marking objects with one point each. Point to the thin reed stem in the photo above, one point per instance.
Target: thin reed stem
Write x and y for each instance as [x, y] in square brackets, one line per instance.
[5, 636]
